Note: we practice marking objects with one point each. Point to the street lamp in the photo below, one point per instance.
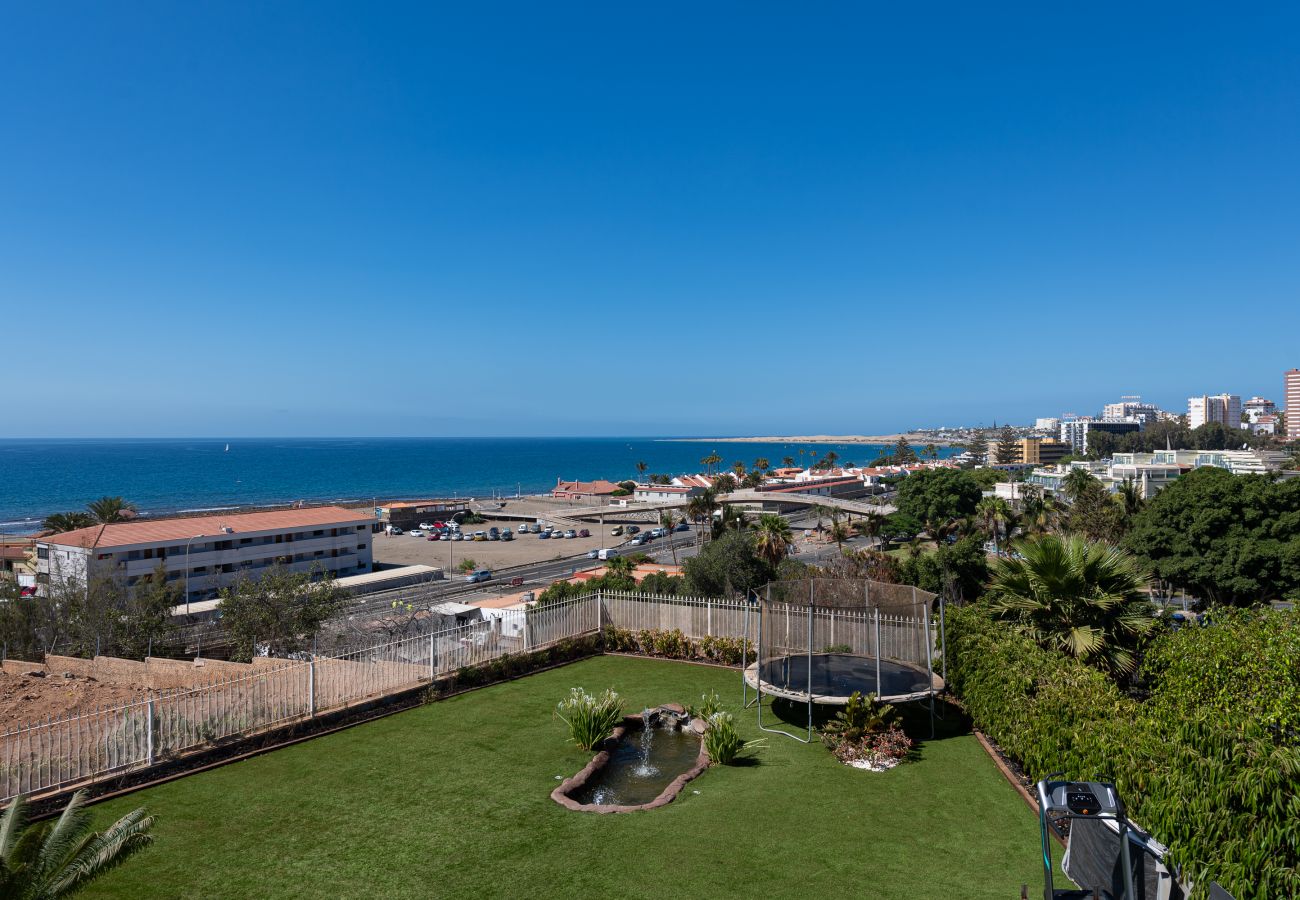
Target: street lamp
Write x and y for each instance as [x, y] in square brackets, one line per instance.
[187, 571]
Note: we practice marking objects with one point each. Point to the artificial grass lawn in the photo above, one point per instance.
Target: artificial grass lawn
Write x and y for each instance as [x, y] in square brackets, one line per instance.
[452, 800]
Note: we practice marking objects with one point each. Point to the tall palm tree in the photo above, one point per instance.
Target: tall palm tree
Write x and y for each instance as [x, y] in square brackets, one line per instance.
[872, 525]
[1079, 597]
[67, 521]
[739, 468]
[732, 519]
[668, 521]
[641, 467]
[840, 532]
[1129, 496]
[701, 508]
[830, 458]
[762, 464]
[710, 461]
[930, 451]
[787, 461]
[110, 509]
[45, 860]
[773, 537]
[993, 513]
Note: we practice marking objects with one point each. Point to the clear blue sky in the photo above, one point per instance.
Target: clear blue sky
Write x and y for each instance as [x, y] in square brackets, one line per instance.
[315, 218]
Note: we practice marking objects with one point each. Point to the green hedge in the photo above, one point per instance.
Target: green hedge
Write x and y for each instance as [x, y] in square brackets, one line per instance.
[676, 645]
[1226, 801]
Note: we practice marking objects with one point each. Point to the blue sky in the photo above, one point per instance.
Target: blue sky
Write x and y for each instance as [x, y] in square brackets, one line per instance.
[286, 219]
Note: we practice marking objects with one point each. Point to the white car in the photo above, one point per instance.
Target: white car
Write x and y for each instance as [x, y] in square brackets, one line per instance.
[425, 526]
[456, 536]
[416, 532]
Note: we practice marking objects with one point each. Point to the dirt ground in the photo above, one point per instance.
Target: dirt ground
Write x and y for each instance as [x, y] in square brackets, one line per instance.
[405, 550]
[28, 698]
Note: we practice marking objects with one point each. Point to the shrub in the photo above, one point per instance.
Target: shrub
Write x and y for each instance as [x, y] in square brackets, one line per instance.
[675, 645]
[590, 719]
[860, 718]
[710, 704]
[722, 741]
[1219, 793]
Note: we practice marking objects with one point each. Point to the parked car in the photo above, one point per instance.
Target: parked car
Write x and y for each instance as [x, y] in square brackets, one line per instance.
[435, 537]
[616, 530]
[417, 532]
[393, 529]
[682, 526]
[545, 535]
[584, 532]
[507, 535]
[606, 553]
[480, 575]
[517, 581]
[592, 554]
[494, 534]
[633, 529]
[480, 536]
[425, 526]
[570, 533]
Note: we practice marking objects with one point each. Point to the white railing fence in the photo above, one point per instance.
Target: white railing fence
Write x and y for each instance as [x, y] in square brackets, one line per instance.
[103, 743]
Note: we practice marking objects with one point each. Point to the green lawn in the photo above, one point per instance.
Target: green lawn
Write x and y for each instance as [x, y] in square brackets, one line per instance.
[451, 800]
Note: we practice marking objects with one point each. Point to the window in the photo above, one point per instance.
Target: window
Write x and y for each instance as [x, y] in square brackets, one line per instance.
[42, 552]
[361, 546]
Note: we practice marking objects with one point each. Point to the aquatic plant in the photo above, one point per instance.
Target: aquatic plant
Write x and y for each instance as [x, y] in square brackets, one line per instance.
[591, 719]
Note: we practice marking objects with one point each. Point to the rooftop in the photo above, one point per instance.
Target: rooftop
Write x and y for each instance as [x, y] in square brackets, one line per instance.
[149, 531]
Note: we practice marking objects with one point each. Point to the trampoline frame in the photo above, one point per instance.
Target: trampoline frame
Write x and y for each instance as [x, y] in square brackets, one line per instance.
[809, 697]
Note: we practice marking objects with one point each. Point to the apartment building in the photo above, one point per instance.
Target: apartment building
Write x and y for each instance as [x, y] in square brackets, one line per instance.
[1291, 397]
[1075, 431]
[1131, 408]
[208, 553]
[1222, 408]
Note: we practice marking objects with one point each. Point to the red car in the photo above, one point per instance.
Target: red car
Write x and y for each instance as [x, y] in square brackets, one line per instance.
[584, 533]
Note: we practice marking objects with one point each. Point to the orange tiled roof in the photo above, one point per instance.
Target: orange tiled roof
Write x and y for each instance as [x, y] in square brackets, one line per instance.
[148, 531]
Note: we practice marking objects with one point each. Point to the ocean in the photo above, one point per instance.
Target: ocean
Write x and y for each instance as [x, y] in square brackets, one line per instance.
[39, 477]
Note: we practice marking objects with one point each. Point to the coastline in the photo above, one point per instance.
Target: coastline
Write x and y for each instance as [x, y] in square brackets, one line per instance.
[816, 439]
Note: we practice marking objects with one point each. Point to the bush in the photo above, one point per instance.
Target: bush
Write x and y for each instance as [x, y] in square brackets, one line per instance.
[590, 719]
[1220, 792]
[722, 741]
[675, 645]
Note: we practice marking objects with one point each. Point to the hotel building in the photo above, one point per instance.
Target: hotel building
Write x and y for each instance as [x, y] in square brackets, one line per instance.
[208, 553]
[1291, 397]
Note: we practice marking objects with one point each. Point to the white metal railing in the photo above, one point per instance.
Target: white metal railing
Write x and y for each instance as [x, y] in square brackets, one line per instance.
[107, 742]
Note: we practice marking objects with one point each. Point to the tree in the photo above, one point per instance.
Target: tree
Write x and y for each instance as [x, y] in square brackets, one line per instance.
[110, 509]
[620, 567]
[900, 525]
[280, 610]
[871, 525]
[1076, 481]
[727, 565]
[840, 532]
[1075, 596]
[710, 461]
[903, 452]
[1094, 515]
[978, 448]
[1230, 539]
[752, 480]
[1102, 445]
[701, 508]
[739, 468]
[732, 519]
[668, 521]
[762, 464]
[109, 619]
[725, 483]
[45, 860]
[1007, 451]
[930, 452]
[937, 496]
[641, 467]
[787, 462]
[467, 565]
[772, 538]
[958, 571]
[993, 514]
[67, 521]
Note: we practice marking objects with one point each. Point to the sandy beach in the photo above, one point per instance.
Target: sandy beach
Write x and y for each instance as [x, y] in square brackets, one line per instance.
[819, 439]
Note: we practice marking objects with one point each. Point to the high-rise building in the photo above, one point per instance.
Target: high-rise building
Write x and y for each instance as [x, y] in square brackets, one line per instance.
[1256, 407]
[1222, 408]
[1131, 407]
[1291, 397]
[1075, 431]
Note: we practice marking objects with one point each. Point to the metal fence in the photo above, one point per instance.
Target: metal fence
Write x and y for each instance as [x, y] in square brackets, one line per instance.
[109, 742]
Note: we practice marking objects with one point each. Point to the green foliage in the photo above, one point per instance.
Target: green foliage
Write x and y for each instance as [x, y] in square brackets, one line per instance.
[467, 565]
[728, 565]
[710, 704]
[280, 610]
[1230, 539]
[723, 742]
[986, 477]
[858, 718]
[772, 538]
[901, 526]
[67, 521]
[50, 859]
[1093, 512]
[1082, 598]
[591, 719]
[959, 570]
[938, 495]
[1222, 799]
[676, 645]
[111, 509]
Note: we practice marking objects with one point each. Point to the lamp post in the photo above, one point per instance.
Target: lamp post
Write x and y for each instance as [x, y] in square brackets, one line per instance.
[187, 571]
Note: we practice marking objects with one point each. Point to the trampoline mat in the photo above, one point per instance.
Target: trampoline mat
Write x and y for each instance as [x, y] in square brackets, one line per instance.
[840, 674]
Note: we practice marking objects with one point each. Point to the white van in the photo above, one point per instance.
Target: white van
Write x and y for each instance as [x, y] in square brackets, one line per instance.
[607, 553]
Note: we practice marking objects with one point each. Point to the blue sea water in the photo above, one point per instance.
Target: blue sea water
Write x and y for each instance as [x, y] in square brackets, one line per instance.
[38, 477]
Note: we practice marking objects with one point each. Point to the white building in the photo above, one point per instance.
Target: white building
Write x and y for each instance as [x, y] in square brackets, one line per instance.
[1222, 408]
[208, 553]
[1131, 408]
[1050, 425]
[1075, 431]
[1256, 407]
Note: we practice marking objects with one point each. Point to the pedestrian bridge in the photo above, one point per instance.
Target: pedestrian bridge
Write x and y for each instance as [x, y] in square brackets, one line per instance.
[852, 507]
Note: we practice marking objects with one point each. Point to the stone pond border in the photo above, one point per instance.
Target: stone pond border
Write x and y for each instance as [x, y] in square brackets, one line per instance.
[561, 794]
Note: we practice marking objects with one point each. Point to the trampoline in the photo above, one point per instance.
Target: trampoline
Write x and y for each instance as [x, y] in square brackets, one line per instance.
[836, 676]
[821, 640]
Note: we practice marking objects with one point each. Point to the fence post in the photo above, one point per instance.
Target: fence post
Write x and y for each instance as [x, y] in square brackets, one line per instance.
[433, 659]
[311, 686]
[148, 731]
[708, 604]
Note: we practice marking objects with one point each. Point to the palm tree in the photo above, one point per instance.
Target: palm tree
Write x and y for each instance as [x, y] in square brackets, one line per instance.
[1129, 496]
[930, 451]
[641, 467]
[45, 860]
[830, 458]
[710, 461]
[787, 461]
[773, 537]
[668, 520]
[993, 513]
[840, 532]
[110, 509]
[819, 511]
[762, 464]
[872, 524]
[701, 508]
[739, 468]
[1076, 481]
[67, 521]
[1082, 598]
[733, 519]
